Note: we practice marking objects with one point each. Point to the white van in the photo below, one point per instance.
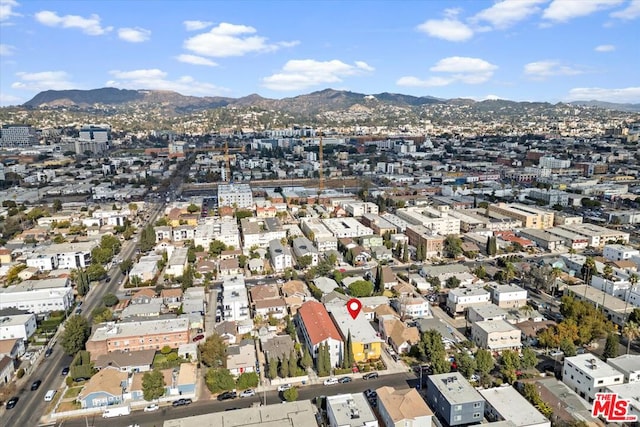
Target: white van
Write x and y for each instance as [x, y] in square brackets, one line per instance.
[116, 411]
[49, 396]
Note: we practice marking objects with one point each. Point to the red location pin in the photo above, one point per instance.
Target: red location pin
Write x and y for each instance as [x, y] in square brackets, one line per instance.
[354, 306]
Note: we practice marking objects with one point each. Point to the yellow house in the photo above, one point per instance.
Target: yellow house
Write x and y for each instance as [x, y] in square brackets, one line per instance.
[365, 342]
[5, 256]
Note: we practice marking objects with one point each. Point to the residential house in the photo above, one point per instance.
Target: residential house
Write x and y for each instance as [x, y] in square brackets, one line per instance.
[398, 335]
[280, 256]
[389, 279]
[143, 296]
[508, 295]
[479, 313]
[316, 327]
[496, 335]
[304, 247]
[454, 400]
[227, 331]
[177, 262]
[325, 284]
[7, 368]
[507, 404]
[17, 326]
[403, 408]
[146, 268]
[5, 256]
[171, 298]
[134, 361]
[277, 347]
[230, 266]
[163, 233]
[460, 299]
[13, 347]
[276, 308]
[183, 232]
[587, 375]
[408, 306]
[241, 358]
[365, 342]
[105, 388]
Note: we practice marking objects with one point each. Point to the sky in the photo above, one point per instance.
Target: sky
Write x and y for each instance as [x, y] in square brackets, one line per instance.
[522, 50]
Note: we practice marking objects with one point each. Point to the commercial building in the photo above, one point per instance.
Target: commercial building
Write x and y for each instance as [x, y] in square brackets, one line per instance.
[365, 342]
[403, 408]
[496, 335]
[529, 216]
[18, 136]
[235, 195]
[350, 410]
[506, 404]
[597, 236]
[454, 400]
[139, 335]
[17, 326]
[317, 328]
[588, 375]
[38, 296]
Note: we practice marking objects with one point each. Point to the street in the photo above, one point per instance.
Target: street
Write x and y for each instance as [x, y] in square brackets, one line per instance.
[156, 419]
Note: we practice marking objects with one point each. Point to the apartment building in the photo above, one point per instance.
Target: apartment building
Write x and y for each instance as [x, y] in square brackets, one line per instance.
[379, 225]
[550, 197]
[17, 326]
[460, 299]
[529, 216]
[223, 229]
[615, 252]
[280, 256]
[18, 136]
[304, 247]
[346, 227]
[317, 328]
[235, 195]
[177, 262]
[420, 235]
[587, 375]
[136, 336]
[597, 236]
[235, 301]
[403, 408]
[260, 231]
[358, 209]
[508, 296]
[350, 410]
[38, 296]
[507, 404]
[365, 342]
[315, 230]
[496, 335]
[454, 400]
[437, 221]
[569, 239]
[629, 365]
[62, 256]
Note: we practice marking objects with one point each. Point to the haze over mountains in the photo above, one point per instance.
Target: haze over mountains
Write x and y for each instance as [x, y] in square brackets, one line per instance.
[315, 102]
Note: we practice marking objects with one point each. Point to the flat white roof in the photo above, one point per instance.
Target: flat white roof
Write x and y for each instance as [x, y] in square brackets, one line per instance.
[592, 365]
[513, 407]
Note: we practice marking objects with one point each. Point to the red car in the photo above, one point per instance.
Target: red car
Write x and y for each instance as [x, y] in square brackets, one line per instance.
[198, 337]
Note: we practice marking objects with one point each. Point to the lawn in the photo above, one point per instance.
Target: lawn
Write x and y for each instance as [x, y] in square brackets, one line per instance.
[72, 393]
[166, 361]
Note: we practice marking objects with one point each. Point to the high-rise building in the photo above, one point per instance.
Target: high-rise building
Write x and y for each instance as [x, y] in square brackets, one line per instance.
[235, 195]
[18, 136]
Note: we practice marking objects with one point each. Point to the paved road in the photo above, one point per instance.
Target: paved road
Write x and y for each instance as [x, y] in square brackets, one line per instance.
[156, 419]
[31, 405]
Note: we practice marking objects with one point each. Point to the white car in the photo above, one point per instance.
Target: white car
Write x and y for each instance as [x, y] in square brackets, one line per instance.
[284, 387]
[331, 381]
[248, 393]
[152, 407]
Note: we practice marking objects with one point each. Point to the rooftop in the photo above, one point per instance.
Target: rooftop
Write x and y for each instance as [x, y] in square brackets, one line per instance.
[350, 410]
[133, 329]
[626, 362]
[512, 406]
[360, 328]
[455, 388]
[497, 325]
[317, 322]
[590, 363]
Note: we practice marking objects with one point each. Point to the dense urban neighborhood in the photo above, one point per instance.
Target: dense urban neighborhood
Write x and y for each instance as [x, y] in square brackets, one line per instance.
[198, 272]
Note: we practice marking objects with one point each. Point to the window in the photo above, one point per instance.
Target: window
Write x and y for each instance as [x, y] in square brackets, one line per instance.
[458, 408]
[476, 405]
[477, 415]
[457, 418]
[600, 381]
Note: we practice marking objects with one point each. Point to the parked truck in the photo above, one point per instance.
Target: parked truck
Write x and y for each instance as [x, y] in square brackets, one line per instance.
[116, 411]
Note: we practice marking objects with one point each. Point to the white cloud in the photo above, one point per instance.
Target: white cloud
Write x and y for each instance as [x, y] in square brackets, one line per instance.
[622, 95]
[630, 12]
[450, 29]
[155, 79]
[6, 50]
[6, 99]
[300, 74]
[605, 48]
[44, 80]
[134, 35]
[540, 70]
[90, 26]
[458, 69]
[506, 13]
[227, 40]
[6, 9]
[565, 10]
[195, 60]
[196, 25]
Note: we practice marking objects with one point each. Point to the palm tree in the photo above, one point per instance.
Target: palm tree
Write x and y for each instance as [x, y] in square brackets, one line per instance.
[588, 268]
[527, 310]
[631, 331]
[607, 272]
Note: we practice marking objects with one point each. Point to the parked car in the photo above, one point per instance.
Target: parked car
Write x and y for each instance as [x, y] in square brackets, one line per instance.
[556, 353]
[227, 395]
[11, 403]
[48, 352]
[198, 337]
[152, 407]
[181, 402]
[370, 393]
[284, 387]
[65, 370]
[248, 393]
[35, 385]
[344, 380]
[370, 376]
[331, 381]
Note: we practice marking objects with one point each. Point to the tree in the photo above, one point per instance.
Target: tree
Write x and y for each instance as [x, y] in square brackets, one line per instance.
[379, 280]
[306, 360]
[219, 379]
[631, 331]
[96, 272]
[588, 268]
[304, 261]
[480, 272]
[348, 359]
[125, 266]
[192, 208]
[634, 316]
[611, 346]
[466, 364]
[529, 358]
[484, 361]
[148, 238]
[360, 288]
[152, 385]
[110, 300]
[82, 283]
[272, 373]
[510, 362]
[57, 205]
[290, 327]
[432, 349]
[213, 352]
[101, 315]
[452, 246]
[452, 282]
[293, 363]
[76, 333]
[247, 380]
[492, 246]
[216, 247]
[284, 367]
[405, 252]
[290, 395]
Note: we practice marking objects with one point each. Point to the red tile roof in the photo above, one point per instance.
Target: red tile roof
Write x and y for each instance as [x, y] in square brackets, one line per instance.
[317, 322]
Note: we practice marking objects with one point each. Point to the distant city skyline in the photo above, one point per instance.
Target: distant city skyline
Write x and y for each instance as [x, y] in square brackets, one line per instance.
[522, 50]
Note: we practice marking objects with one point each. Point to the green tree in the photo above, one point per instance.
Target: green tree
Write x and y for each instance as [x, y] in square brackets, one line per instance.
[529, 358]
[452, 282]
[219, 379]
[379, 279]
[405, 252]
[348, 359]
[290, 395]
[304, 261]
[284, 367]
[125, 266]
[82, 283]
[57, 205]
[293, 363]
[290, 328]
[110, 300]
[492, 246]
[588, 269]
[631, 331]
[306, 360]
[361, 288]
[611, 346]
[216, 247]
[484, 361]
[153, 385]
[192, 208]
[213, 352]
[247, 380]
[96, 272]
[466, 364]
[101, 315]
[452, 246]
[148, 238]
[272, 373]
[433, 349]
[76, 333]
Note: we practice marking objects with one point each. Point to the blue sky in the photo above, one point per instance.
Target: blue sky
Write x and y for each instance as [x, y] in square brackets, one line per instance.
[524, 50]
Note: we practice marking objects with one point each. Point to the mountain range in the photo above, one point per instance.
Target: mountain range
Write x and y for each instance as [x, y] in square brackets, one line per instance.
[312, 103]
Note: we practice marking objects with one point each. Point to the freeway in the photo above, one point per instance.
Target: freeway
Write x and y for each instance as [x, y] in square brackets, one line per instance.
[156, 419]
[31, 405]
